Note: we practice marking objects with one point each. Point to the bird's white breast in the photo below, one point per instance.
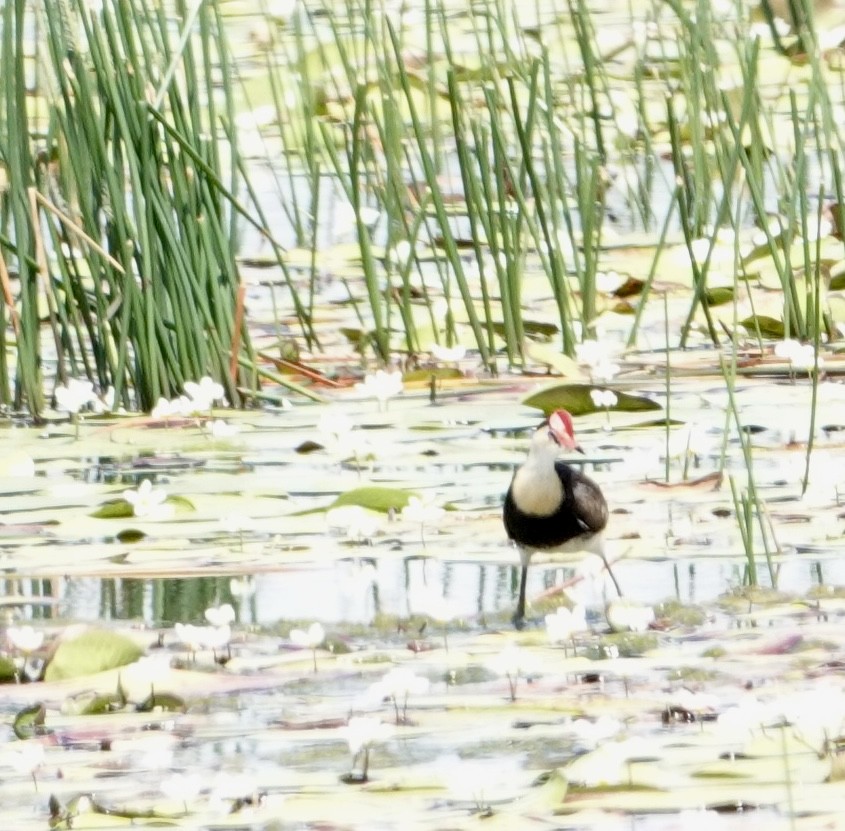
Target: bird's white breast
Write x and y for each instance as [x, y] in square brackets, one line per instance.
[537, 489]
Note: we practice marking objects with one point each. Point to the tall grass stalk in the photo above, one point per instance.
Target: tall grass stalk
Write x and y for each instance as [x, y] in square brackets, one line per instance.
[748, 504]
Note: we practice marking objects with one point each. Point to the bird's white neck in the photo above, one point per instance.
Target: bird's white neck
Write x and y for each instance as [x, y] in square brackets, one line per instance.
[536, 487]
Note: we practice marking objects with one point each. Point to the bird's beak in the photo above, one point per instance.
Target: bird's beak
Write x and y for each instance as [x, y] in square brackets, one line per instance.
[579, 449]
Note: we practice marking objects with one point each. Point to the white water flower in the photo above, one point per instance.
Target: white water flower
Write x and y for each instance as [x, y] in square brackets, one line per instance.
[220, 615]
[603, 398]
[354, 522]
[25, 639]
[75, 396]
[510, 662]
[597, 357]
[182, 787]
[628, 616]
[397, 685]
[361, 733]
[309, 638]
[382, 386]
[105, 403]
[562, 624]
[203, 394]
[801, 356]
[608, 765]
[221, 429]
[162, 409]
[401, 253]
[147, 501]
[422, 511]
[242, 587]
[447, 354]
[27, 757]
[430, 601]
[592, 352]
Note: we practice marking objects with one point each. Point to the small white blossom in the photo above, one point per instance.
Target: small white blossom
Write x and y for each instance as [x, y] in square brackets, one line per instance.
[801, 356]
[423, 512]
[356, 523]
[382, 385]
[182, 787]
[510, 662]
[362, 732]
[24, 638]
[147, 501]
[398, 685]
[428, 600]
[220, 615]
[564, 623]
[603, 398]
[204, 393]
[310, 638]
[627, 616]
[402, 252]
[447, 354]
[221, 429]
[242, 587]
[75, 396]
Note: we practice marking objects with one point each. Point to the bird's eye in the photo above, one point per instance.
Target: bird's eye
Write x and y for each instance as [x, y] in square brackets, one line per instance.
[553, 437]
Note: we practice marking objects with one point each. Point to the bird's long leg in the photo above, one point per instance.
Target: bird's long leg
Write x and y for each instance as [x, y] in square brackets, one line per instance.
[609, 570]
[519, 615]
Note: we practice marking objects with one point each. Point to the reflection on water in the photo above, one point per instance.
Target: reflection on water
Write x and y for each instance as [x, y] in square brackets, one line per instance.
[356, 591]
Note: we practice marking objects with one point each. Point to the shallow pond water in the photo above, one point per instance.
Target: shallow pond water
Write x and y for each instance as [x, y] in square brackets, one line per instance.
[268, 734]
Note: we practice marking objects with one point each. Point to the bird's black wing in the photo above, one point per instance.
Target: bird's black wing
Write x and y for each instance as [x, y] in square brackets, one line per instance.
[583, 498]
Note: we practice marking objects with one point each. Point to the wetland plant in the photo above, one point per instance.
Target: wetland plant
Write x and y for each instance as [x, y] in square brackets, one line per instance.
[310, 638]
[362, 732]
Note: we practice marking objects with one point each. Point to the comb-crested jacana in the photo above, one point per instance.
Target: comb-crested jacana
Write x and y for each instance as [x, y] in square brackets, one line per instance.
[552, 506]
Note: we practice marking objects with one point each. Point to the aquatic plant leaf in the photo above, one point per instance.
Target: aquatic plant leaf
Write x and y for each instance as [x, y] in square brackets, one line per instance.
[7, 670]
[114, 509]
[577, 399]
[549, 355]
[167, 702]
[770, 327]
[718, 295]
[375, 498]
[29, 722]
[95, 650]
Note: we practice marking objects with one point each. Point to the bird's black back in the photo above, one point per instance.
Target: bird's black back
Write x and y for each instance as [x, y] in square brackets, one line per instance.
[583, 511]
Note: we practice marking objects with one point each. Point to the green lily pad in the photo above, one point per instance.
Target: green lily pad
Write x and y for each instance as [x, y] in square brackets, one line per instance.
[122, 508]
[93, 651]
[7, 670]
[167, 702]
[718, 295]
[114, 509]
[29, 722]
[769, 326]
[375, 498]
[577, 399]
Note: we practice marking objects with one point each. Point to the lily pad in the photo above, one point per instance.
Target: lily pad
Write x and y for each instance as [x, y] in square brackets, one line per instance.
[93, 651]
[29, 722]
[770, 327]
[375, 498]
[578, 400]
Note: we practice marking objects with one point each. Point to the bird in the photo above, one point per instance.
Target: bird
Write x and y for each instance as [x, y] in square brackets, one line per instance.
[552, 506]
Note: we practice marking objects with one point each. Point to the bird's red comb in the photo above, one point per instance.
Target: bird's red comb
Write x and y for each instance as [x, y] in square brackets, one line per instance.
[561, 423]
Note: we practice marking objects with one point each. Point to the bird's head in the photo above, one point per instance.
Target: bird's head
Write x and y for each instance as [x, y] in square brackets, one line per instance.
[560, 430]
